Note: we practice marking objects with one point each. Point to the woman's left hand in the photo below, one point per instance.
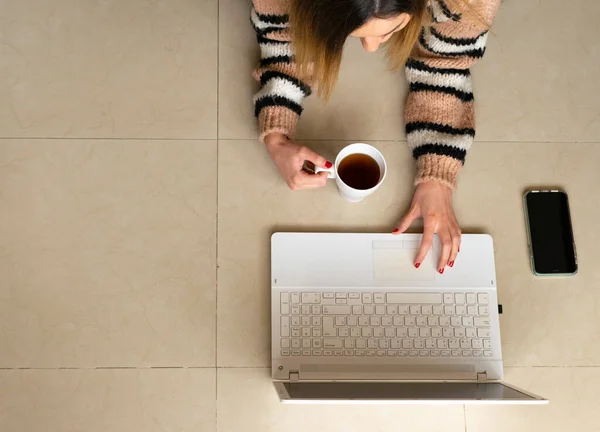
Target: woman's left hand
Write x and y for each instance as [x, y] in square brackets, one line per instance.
[433, 202]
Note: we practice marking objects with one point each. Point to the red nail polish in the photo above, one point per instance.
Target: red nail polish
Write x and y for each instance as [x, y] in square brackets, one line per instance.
[441, 271]
[451, 263]
[417, 265]
[328, 164]
[396, 231]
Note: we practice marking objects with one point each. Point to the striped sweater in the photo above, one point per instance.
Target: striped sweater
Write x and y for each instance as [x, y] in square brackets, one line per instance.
[439, 113]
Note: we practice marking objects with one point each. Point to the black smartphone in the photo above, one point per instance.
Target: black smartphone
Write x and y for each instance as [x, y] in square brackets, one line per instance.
[549, 231]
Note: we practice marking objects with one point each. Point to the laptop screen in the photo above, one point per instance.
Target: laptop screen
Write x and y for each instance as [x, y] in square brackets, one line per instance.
[424, 391]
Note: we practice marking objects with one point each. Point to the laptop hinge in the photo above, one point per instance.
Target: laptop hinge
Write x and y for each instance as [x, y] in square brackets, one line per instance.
[481, 377]
[294, 376]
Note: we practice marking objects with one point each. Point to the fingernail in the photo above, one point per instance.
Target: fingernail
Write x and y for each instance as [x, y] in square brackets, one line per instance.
[441, 271]
[396, 231]
[417, 265]
[328, 164]
[451, 263]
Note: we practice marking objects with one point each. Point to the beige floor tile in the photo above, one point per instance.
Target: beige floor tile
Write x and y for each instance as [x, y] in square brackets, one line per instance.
[254, 203]
[367, 103]
[538, 79]
[573, 403]
[247, 401]
[525, 89]
[107, 400]
[109, 69]
[542, 316]
[546, 321]
[107, 253]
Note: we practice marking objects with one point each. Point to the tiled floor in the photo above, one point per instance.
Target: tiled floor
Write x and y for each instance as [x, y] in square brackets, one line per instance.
[130, 172]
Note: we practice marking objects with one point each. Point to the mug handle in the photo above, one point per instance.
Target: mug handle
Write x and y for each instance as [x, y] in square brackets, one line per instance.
[310, 168]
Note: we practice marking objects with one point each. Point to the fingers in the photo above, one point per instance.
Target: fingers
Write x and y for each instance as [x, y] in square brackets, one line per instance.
[315, 158]
[304, 180]
[455, 233]
[426, 241]
[446, 243]
[406, 221]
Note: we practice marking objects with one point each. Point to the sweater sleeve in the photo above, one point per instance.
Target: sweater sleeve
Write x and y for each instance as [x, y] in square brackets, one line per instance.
[278, 103]
[439, 114]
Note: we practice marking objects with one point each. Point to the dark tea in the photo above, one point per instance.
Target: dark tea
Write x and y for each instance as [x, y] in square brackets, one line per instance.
[359, 171]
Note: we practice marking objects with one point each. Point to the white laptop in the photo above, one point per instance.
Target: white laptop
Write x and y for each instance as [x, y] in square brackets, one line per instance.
[353, 321]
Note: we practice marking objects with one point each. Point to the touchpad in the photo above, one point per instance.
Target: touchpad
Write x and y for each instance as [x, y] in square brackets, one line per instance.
[394, 260]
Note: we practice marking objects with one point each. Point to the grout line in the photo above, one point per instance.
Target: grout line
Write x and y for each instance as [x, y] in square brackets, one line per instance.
[217, 233]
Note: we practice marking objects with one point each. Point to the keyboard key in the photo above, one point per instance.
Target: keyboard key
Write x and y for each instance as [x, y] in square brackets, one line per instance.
[328, 327]
[327, 352]
[414, 298]
[433, 321]
[472, 310]
[285, 353]
[363, 321]
[341, 295]
[435, 353]
[481, 322]
[484, 310]
[353, 295]
[367, 298]
[360, 343]
[453, 344]
[459, 298]
[285, 326]
[413, 353]
[436, 332]
[332, 343]
[317, 352]
[306, 343]
[459, 332]
[316, 332]
[430, 344]
[484, 333]
[477, 353]
[402, 332]
[471, 298]
[449, 310]
[341, 301]
[461, 310]
[402, 353]
[465, 344]
[421, 321]
[367, 332]
[357, 310]
[372, 343]
[348, 352]
[403, 310]
[448, 298]
[379, 310]
[379, 298]
[369, 310]
[407, 343]
[419, 343]
[410, 321]
[295, 321]
[445, 353]
[392, 310]
[296, 343]
[392, 353]
[471, 333]
[328, 295]
[305, 310]
[285, 303]
[340, 321]
[378, 332]
[352, 321]
[455, 353]
[386, 321]
[343, 332]
[338, 352]
[487, 344]
[438, 310]
[415, 310]
[337, 310]
[375, 321]
[360, 353]
[384, 343]
[487, 354]
[306, 320]
[424, 353]
[306, 332]
[296, 352]
[396, 343]
[442, 343]
[315, 310]
[467, 353]
[424, 332]
[380, 353]
[483, 298]
[311, 298]
[355, 332]
[295, 298]
[413, 332]
[349, 344]
[285, 343]
[398, 321]
[444, 321]
[370, 353]
[316, 321]
[426, 310]
[476, 343]
[467, 321]
[456, 321]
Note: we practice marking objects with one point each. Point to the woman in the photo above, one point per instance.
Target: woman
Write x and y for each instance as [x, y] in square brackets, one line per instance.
[437, 41]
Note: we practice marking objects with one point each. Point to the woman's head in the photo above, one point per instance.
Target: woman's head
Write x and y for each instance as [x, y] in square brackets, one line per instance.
[321, 27]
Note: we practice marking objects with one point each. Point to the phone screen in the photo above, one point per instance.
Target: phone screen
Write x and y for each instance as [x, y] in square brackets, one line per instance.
[550, 231]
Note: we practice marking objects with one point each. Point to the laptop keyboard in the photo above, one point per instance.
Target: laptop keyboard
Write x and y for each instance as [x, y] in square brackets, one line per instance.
[385, 325]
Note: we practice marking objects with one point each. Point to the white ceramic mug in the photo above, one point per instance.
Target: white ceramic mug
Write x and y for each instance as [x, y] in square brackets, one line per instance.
[348, 193]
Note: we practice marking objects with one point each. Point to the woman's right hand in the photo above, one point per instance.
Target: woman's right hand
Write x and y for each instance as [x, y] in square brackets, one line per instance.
[289, 158]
